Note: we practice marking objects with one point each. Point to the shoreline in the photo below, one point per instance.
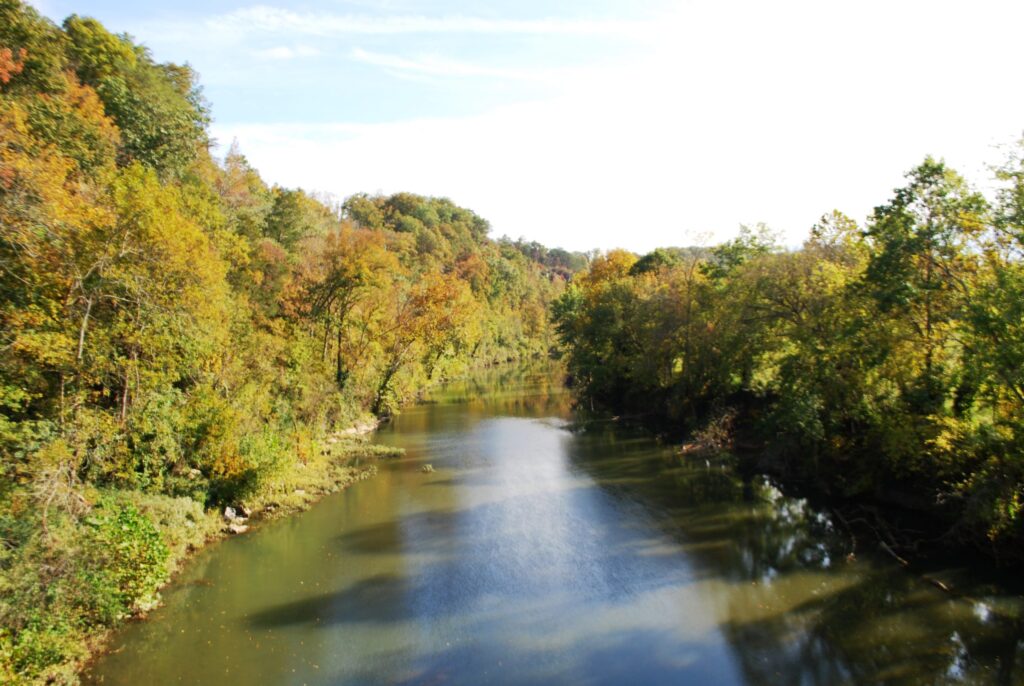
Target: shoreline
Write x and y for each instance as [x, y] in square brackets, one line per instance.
[334, 468]
[880, 524]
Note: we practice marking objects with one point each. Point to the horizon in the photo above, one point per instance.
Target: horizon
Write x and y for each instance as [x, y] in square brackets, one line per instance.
[565, 128]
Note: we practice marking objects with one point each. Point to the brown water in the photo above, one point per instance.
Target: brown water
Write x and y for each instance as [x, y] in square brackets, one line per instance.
[535, 554]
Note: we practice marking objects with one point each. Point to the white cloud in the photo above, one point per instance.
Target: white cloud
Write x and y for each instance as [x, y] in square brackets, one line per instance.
[284, 52]
[267, 19]
[776, 114]
[433, 65]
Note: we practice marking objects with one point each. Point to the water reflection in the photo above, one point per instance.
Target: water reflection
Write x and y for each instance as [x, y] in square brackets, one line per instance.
[798, 611]
[540, 554]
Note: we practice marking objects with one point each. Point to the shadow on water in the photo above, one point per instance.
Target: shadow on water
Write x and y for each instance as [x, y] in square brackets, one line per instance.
[377, 599]
[599, 663]
[537, 554]
[881, 630]
[878, 625]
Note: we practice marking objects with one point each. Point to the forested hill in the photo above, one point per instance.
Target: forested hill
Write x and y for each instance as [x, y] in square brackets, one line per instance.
[881, 363]
[174, 328]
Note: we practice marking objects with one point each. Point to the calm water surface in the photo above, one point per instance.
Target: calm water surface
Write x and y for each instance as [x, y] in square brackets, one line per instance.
[535, 554]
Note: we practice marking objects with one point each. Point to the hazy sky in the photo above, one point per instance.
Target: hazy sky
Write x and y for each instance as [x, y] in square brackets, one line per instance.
[596, 123]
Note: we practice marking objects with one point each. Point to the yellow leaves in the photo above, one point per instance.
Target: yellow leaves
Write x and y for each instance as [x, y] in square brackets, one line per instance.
[16, 152]
[74, 122]
[97, 52]
[947, 436]
[831, 278]
[40, 191]
[163, 261]
[615, 264]
[51, 348]
[339, 269]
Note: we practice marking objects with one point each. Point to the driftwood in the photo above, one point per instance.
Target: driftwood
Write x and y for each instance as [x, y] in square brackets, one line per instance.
[887, 542]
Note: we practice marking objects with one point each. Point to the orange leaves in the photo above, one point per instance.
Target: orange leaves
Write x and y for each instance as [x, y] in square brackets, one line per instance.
[473, 269]
[10, 65]
[440, 305]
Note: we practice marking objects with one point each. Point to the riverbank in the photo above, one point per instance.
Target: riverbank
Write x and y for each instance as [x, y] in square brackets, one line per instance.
[913, 522]
[127, 545]
[637, 568]
[917, 523]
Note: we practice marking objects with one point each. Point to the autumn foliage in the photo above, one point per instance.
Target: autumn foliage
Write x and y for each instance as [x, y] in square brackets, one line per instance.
[11, 63]
[173, 328]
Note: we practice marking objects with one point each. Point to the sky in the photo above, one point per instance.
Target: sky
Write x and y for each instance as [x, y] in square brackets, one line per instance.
[598, 124]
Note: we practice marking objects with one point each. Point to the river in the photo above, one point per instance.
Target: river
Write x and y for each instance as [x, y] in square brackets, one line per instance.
[538, 552]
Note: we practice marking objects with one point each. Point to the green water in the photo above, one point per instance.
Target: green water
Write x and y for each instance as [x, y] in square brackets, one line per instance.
[535, 554]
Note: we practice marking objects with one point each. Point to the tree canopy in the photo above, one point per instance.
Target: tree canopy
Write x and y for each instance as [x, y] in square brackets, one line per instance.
[171, 327]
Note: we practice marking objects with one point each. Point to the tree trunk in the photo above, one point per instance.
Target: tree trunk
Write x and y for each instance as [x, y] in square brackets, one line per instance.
[340, 375]
[124, 399]
[382, 388]
[82, 330]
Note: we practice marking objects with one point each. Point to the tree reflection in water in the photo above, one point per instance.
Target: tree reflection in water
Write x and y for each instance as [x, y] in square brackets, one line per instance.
[864, 622]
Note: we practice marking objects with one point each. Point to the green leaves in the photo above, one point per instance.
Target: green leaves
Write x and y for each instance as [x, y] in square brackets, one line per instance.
[124, 562]
[170, 326]
[867, 359]
[95, 53]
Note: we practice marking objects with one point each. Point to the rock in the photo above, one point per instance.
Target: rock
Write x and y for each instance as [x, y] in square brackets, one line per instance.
[229, 513]
[427, 468]
[244, 511]
[236, 528]
[299, 491]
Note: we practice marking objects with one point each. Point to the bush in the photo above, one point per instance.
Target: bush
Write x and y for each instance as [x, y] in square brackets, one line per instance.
[60, 583]
[44, 642]
[123, 563]
[183, 523]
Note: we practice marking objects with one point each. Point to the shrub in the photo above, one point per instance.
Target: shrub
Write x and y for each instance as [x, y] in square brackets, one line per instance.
[123, 562]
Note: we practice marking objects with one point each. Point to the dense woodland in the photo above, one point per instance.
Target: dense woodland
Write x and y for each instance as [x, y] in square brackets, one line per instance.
[175, 334]
[880, 363]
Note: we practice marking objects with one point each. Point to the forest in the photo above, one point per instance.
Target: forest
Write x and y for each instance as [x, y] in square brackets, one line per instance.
[178, 336]
[879, 363]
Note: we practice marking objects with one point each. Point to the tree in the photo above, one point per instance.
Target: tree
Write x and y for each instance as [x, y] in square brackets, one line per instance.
[655, 260]
[247, 199]
[426, 317]
[339, 271]
[96, 53]
[157, 107]
[295, 215]
[37, 50]
[921, 269]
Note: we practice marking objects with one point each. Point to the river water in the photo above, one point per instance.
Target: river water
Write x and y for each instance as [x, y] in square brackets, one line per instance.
[541, 553]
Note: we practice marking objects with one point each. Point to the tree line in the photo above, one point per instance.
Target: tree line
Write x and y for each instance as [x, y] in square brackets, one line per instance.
[880, 362]
[172, 326]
